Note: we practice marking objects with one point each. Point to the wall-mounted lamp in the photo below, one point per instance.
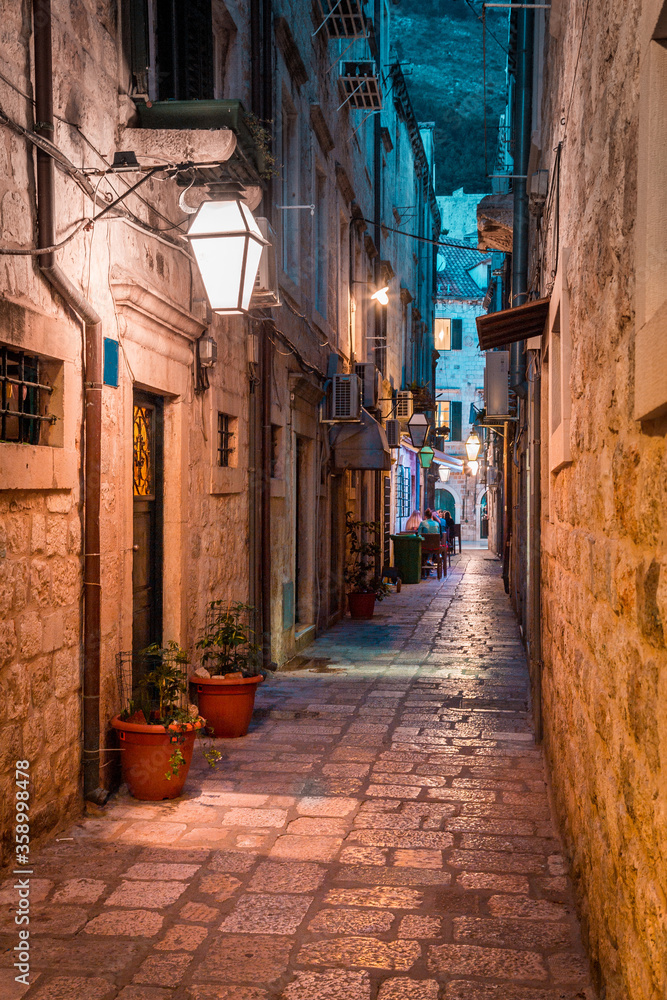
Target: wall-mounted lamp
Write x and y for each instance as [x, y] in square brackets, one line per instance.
[444, 473]
[474, 467]
[379, 295]
[227, 245]
[473, 444]
[208, 352]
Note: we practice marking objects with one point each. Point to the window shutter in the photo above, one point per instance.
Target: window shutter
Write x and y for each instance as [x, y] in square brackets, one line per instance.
[185, 50]
[455, 420]
[457, 335]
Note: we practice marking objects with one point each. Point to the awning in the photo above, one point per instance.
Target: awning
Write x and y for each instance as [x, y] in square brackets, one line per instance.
[360, 445]
[510, 325]
[449, 461]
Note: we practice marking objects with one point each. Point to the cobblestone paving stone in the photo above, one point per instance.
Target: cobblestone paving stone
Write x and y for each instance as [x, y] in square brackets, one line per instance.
[382, 833]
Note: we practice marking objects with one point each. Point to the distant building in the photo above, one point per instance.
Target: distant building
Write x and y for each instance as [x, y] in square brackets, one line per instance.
[463, 280]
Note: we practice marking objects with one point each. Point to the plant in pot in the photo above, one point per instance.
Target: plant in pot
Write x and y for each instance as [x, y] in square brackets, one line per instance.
[364, 586]
[226, 683]
[157, 728]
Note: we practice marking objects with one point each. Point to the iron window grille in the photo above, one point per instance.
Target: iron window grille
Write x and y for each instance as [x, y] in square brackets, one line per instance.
[225, 438]
[23, 397]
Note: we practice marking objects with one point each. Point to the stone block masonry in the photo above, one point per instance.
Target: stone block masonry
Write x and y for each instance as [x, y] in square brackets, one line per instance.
[40, 565]
[382, 833]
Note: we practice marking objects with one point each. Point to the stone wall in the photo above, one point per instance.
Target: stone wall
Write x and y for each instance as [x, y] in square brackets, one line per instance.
[40, 624]
[604, 523]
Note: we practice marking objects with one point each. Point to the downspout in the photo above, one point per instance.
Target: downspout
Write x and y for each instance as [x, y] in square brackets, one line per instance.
[93, 401]
[522, 129]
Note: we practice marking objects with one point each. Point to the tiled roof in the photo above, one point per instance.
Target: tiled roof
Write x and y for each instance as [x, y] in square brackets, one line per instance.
[454, 281]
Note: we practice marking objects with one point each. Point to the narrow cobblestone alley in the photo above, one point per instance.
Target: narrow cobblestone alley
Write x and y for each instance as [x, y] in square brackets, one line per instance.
[383, 833]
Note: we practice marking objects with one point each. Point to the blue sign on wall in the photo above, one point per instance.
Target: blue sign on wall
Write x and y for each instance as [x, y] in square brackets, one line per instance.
[110, 362]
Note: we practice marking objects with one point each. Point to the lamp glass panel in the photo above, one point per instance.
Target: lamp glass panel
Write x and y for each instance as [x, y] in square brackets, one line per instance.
[220, 262]
[418, 429]
[250, 221]
[473, 444]
[219, 217]
[251, 266]
[426, 457]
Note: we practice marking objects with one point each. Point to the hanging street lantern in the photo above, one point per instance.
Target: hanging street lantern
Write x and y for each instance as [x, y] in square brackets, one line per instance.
[473, 444]
[426, 455]
[418, 430]
[227, 245]
[474, 467]
[443, 472]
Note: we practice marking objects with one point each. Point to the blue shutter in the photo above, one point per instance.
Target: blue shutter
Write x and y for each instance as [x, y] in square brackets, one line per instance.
[457, 334]
[455, 420]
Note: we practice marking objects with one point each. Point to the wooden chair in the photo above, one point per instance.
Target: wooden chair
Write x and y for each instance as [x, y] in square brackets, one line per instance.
[455, 533]
[432, 545]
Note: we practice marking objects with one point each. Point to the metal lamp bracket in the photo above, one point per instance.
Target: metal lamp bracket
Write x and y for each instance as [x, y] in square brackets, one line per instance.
[284, 208]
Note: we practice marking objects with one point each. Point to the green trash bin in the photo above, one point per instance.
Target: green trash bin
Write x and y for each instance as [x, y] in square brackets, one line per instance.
[408, 557]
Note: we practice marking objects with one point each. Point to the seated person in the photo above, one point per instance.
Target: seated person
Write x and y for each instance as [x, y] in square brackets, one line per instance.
[413, 522]
[429, 525]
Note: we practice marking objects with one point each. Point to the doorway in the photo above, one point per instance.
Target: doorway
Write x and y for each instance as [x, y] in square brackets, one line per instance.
[147, 484]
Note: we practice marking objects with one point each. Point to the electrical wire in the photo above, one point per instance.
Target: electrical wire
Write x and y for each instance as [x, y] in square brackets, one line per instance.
[479, 18]
[36, 252]
[576, 67]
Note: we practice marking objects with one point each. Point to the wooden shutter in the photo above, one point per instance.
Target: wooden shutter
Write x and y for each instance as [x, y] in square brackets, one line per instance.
[457, 335]
[185, 50]
[455, 420]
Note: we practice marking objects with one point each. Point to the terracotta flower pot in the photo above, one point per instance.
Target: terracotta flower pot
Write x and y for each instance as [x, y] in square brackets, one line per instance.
[361, 605]
[227, 702]
[146, 757]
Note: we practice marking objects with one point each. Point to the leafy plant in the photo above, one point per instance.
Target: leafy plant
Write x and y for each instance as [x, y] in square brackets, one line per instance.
[266, 161]
[175, 762]
[228, 640]
[362, 550]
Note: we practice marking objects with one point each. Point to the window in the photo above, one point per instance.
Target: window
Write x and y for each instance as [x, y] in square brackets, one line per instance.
[178, 51]
[448, 414]
[448, 334]
[27, 411]
[402, 491]
[276, 434]
[290, 193]
[321, 247]
[225, 439]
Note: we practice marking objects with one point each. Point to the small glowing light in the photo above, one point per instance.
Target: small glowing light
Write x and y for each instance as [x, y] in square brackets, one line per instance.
[474, 467]
[473, 444]
[381, 295]
[443, 472]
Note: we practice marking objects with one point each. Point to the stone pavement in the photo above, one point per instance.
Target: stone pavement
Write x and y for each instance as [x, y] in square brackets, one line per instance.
[383, 833]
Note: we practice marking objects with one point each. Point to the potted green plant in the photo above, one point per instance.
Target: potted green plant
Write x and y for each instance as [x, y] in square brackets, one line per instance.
[226, 683]
[364, 586]
[157, 728]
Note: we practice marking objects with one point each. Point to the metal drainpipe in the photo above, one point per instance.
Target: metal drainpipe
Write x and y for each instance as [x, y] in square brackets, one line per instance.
[265, 97]
[523, 119]
[93, 402]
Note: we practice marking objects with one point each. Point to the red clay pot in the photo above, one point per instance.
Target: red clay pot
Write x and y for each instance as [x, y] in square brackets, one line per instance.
[361, 605]
[227, 702]
[145, 753]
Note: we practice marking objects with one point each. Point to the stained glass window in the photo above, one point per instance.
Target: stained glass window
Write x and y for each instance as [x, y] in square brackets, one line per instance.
[143, 450]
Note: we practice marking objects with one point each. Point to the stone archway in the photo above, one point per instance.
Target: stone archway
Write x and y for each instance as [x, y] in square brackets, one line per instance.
[445, 500]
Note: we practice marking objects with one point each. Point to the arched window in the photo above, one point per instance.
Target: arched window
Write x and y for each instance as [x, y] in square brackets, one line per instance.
[445, 501]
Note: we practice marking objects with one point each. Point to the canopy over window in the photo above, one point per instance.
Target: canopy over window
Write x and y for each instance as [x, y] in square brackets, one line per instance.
[510, 325]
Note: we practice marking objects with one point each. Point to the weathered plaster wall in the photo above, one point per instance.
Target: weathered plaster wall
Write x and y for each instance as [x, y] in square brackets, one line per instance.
[604, 524]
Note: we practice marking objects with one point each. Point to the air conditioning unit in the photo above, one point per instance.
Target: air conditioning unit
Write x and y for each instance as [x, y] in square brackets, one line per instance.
[371, 383]
[392, 429]
[265, 292]
[403, 404]
[345, 397]
[496, 383]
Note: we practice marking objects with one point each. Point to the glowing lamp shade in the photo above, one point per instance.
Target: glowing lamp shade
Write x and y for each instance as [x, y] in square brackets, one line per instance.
[443, 472]
[227, 245]
[473, 466]
[381, 295]
[426, 457]
[473, 444]
[418, 429]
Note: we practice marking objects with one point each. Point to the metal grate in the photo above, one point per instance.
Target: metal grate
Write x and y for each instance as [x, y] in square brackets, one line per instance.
[22, 397]
[225, 436]
[343, 18]
[360, 86]
[402, 491]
